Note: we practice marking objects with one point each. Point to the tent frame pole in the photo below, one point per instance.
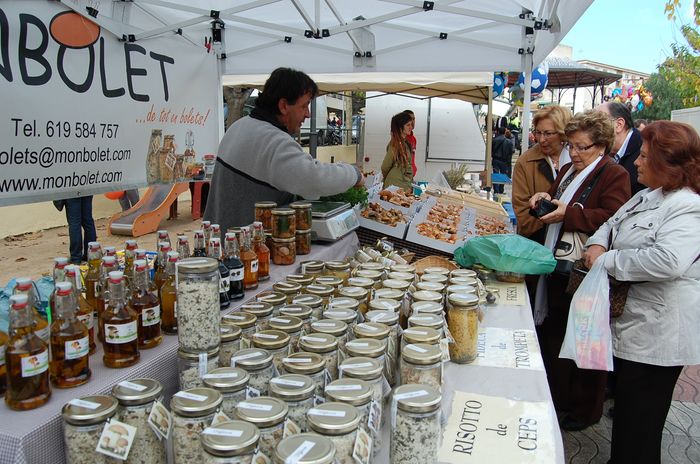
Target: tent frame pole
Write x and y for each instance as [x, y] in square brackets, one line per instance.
[489, 140]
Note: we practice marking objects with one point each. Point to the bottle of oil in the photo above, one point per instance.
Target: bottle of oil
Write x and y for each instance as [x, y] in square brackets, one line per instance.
[144, 301]
[3, 366]
[27, 359]
[109, 264]
[200, 249]
[92, 278]
[234, 264]
[129, 256]
[84, 310]
[183, 246]
[109, 251]
[70, 342]
[24, 286]
[224, 274]
[58, 274]
[168, 297]
[120, 327]
[262, 251]
[140, 253]
[161, 236]
[206, 228]
[250, 261]
[159, 276]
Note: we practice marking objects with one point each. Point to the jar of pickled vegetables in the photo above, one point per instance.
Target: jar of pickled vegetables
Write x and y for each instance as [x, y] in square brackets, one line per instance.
[302, 212]
[284, 224]
[303, 240]
[263, 213]
[284, 251]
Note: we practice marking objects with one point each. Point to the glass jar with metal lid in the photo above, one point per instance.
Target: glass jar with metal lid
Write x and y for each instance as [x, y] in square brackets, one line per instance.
[391, 320]
[373, 275]
[421, 363]
[463, 273]
[396, 284]
[263, 213]
[268, 414]
[314, 302]
[83, 421]
[315, 448]
[284, 223]
[370, 370]
[311, 365]
[313, 268]
[406, 276]
[275, 342]
[331, 281]
[297, 390]
[262, 310]
[257, 363]
[427, 295]
[366, 347]
[438, 278]
[424, 335]
[283, 251]
[355, 392]
[427, 307]
[324, 291]
[230, 343]
[198, 304]
[246, 321]
[300, 311]
[340, 269]
[374, 330]
[361, 294]
[380, 332]
[416, 434]
[373, 266]
[463, 322]
[362, 282]
[302, 211]
[275, 298]
[384, 304]
[339, 422]
[436, 270]
[192, 412]
[434, 321]
[231, 382]
[303, 279]
[230, 442]
[327, 346]
[303, 241]
[290, 325]
[461, 288]
[389, 294]
[431, 286]
[404, 268]
[341, 313]
[337, 328]
[289, 289]
[136, 398]
[192, 366]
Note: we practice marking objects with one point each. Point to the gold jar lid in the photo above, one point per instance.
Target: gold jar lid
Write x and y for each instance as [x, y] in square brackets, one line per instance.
[242, 319]
[365, 347]
[318, 343]
[300, 205]
[292, 387]
[137, 391]
[357, 293]
[312, 266]
[344, 302]
[389, 294]
[373, 266]
[462, 280]
[346, 315]
[436, 270]
[226, 379]
[265, 204]
[439, 278]
[320, 449]
[263, 411]
[89, 410]
[426, 320]
[270, 339]
[301, 311]
[284, 240]
[320, 290]
[282, 212]
[230, 332]
[427, 295]
[396, 284]
[337, 265]
[361, 282]
[273, 298]
[404, 268]
[384, 304]
[288, 288]
[330, 326]
[197, 265]
[464, 300]
[375, 330]
[356, 392]
[331, 281]
[370, 274]
[251, 359]
[463, 273]
[261, 309]
[421, 353]
[194, 357]
[430, 307]
[312, 301]
[396, 275]
[460, 288]
[230, 438]
[302, 279]
[303, 362]
[417, 398]
[430, 286]
[361, 367]
[196, 402]
[388, 318]
[287, 324]
[426, 335]
[333, 418]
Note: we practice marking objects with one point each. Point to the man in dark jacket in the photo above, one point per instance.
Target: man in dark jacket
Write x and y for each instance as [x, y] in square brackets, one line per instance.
[501, 156]
[628, 140]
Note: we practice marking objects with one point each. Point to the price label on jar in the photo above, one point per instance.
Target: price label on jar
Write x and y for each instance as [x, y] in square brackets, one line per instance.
[76, 349]
[236, 275]
[132, 386]
[416, 348]
[266, 336]
[358, 344]
[344, 387]
[222, 432]
[35, 364]
[301, 451]
[202, 365]
[308, 338]
[242, 357]
[235, 317]
[191, 396]
[355, 366]
[150, 316]
[280, 320]
[121, 333]
[84, 404]
[326, 412]
[223, 375]
[254, 406]
[296, 360]
[288, 382]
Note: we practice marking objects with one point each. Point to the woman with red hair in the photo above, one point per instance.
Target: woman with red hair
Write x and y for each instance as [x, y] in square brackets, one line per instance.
[653, 242]
[396, 167]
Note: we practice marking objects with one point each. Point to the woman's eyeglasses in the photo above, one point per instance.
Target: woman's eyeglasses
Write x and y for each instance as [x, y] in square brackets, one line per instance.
[545, 134]
[578, 149]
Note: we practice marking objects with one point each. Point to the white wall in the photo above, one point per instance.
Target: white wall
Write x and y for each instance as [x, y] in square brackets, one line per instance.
[689, 116]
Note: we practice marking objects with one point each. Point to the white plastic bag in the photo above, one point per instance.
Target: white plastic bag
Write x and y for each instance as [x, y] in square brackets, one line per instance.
[588, 339]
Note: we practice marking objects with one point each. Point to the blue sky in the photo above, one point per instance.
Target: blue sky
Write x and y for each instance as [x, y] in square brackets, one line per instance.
[633, 34]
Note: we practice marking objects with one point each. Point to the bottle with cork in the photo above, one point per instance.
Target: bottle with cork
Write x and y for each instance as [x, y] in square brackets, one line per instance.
[70, 342]
[120, 327]
[144, 301]
[232, 261]
[262, 251]
[168, 297]
[84, 311]
[25, 286]
[250, 261]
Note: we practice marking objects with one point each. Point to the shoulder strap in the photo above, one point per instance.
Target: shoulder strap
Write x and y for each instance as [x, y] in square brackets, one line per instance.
[584, 195]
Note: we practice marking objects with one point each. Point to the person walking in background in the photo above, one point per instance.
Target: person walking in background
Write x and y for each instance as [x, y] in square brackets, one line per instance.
[653, 243]
[81, 227]
[396, 167]
[129, 199]
[640, 124]
[411, 139]
[501, 156]
[628, 140]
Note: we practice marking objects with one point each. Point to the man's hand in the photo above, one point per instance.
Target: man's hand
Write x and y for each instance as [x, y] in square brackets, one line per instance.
[591, 254]
[555, 216]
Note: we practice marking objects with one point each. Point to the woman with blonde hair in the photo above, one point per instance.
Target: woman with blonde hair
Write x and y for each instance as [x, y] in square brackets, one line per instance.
[396, 167]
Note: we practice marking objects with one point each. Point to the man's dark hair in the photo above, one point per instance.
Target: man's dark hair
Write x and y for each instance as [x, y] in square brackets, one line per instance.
[286, 83]
[501, 130]
[620, 110]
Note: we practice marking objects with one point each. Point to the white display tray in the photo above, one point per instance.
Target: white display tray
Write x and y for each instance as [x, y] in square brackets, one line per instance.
[409, 212]
[412, 234]
[398, 231]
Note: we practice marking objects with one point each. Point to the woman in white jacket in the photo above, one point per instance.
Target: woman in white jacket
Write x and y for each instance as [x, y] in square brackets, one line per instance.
[653, 241]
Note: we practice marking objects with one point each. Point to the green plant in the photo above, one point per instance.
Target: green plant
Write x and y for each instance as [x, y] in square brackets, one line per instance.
[353, 195]
[455, 175]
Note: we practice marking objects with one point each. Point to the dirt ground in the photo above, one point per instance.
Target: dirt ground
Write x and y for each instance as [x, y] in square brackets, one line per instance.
[31, 254]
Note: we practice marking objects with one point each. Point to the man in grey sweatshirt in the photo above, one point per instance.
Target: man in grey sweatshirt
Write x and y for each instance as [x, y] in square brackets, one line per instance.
[259, 160]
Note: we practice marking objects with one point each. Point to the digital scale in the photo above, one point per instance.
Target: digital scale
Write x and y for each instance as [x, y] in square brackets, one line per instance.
[332, 220]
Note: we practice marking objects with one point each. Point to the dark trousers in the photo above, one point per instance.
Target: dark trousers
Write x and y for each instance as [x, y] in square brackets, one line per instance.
[79, 216]
[500, 167]
[130, 198]
[642, 400]
[579, 392]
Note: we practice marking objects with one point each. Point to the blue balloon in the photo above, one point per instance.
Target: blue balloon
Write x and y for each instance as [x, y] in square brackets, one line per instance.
[538, 81]
[640, 106]
[616, 92]
[499, 83]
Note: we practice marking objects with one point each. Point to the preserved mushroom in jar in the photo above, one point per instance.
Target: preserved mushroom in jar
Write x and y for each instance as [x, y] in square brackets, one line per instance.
[302, 211]
[284, 251]
[417, 432]
[283, 223]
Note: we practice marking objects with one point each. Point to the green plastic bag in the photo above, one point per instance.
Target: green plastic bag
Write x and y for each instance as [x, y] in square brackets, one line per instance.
[508, 253]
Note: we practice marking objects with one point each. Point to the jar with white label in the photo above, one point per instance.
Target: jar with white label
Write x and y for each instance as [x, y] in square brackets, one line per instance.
[246, 321]
[300, 311]
[258, 364]
[327, 346]
[339, 269]
[385, 304]
[341, 314]
[405, 276]
[298, 392]
[276, 299]
[230, 442]
[192, 412]
[262, 310]
[389, 294]
[303, 279]
[369, 348]
[361, 295]
[417, 431]
[288, 289]
[338, 329]
[198, 313]
[136, 398]
[338, 422]
[379, 332]
[401, 285]
[231, 382]
[230, 343]
[422, 364]
[420, 335]
[391, 320]
[431, 286]
[308, 364]
[274, 342]
[192, 366]
[305, 448]
[374, 276]
[427, 307]
[371, 370]
[373, 265]
[411, 268]
[436, 278]
[462, 288]
[463, 322]
[361, 282]
[291, 326]
[314, 302]
[344, 302]
[83, 421]
[359, 393]
[436, 270]
[330, 281]
[268, 414]
[433, 321]
[313, 268]
[323, 291]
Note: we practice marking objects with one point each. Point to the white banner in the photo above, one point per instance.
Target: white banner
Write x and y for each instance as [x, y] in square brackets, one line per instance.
[516, 349]
[85, 112]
